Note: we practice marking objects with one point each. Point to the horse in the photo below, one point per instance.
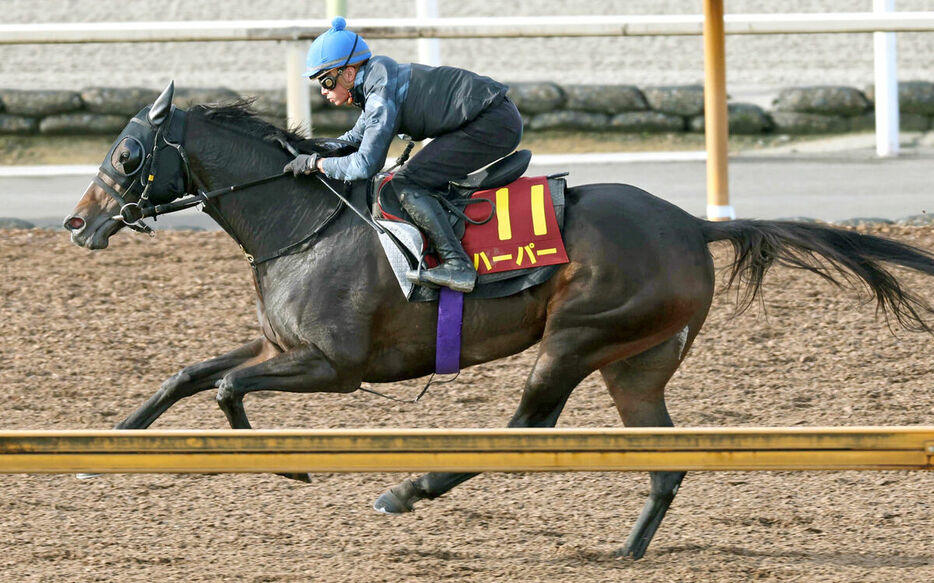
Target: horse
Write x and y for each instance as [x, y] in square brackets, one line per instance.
[629, 303]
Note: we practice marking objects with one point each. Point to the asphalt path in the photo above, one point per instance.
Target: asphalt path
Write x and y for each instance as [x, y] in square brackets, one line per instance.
[830, 186]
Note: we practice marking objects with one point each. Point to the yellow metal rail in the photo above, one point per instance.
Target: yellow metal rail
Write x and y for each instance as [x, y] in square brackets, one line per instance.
[469, 450]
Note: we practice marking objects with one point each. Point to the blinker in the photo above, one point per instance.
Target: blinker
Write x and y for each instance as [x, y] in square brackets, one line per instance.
[127, 157]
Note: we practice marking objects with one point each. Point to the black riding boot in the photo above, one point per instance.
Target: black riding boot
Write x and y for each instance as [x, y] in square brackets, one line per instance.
[456, 271]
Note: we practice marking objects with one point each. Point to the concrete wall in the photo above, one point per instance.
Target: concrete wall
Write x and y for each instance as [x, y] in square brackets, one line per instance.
[544, 106]
[757, 65]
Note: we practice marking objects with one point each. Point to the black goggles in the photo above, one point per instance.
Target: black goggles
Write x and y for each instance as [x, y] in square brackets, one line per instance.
[329, 82]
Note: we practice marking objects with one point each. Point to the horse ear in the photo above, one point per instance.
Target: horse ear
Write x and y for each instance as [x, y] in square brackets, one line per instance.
[161, 106]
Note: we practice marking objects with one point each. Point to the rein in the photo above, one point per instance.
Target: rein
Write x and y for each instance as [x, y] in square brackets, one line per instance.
[366, 219]
[132, 213]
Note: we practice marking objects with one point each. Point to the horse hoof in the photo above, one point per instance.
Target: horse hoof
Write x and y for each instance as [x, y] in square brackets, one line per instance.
[398, 499]
[84, 476]
[634, 552]
[303, 477]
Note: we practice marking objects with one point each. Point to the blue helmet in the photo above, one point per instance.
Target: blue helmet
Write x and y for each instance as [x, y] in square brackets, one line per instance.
[335, 48]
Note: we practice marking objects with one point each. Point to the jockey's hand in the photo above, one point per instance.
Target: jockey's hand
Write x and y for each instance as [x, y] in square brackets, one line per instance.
[303, 164]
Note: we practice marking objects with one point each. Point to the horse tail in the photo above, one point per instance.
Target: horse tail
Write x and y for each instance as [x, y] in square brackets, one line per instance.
[849, 259]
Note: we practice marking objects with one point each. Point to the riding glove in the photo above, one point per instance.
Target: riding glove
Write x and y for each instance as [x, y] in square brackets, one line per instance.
[303, 164]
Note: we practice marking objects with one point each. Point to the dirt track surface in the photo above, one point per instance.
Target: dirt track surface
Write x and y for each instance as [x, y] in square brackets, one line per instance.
[87, 337]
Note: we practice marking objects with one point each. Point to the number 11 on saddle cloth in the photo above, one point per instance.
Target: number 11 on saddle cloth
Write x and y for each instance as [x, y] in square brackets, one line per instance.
[523, 232]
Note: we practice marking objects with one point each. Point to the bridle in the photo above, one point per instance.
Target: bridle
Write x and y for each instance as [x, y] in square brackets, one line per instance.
[132, 212]
[169, 133]
[142, 179]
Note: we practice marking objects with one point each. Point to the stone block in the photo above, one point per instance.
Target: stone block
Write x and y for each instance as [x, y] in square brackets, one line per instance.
[533, 98]
[17, 124]
[863, 123]
[83, 123]
[825, 100]
[186, 97]
[646, 121]
[117, 100]
[609, 99]
[11, 223]
[271, 102]
[809, 220]
[332, 119]
[683, 100]
[863, 222]
[916, 97]
[907, 122]
[268, 103]
[569, 120]
[742, 118]
[913, 97]
[924, 219]
[786, 122]
[39, 103]
[913, 122]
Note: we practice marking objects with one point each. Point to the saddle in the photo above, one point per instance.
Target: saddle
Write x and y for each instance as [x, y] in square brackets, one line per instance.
[505, 265]
[384, 201]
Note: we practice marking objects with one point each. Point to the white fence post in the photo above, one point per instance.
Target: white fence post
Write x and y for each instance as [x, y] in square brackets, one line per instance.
[429, 49]
[298, 90]
[886, 78]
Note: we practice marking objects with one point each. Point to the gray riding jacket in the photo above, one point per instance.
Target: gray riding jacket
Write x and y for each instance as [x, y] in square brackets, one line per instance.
[418, 100]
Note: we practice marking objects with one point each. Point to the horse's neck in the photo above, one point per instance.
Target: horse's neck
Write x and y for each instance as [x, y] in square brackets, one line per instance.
[267, 217]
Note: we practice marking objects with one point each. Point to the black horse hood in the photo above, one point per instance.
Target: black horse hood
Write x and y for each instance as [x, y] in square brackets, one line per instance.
[138, 155]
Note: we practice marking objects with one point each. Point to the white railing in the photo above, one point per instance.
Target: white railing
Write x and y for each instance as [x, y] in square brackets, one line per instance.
[298, 32]
[484, 27]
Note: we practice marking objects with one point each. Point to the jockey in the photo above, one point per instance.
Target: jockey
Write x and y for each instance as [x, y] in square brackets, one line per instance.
[469, 117]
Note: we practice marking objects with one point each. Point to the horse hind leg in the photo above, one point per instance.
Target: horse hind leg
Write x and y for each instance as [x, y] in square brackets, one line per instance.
[550, 383]
[637, 386]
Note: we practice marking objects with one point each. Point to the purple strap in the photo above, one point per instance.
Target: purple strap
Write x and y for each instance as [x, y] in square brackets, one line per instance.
[450, 316]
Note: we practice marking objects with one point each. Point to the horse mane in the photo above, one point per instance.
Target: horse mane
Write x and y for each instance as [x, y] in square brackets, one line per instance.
[241, 115]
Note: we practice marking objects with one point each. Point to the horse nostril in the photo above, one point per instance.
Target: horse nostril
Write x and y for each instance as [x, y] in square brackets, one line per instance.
[74, 223]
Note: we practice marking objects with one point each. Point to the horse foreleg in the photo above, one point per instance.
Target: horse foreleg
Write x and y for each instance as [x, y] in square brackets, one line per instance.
[300, 370]
[191, 380]
[546, 391]
[194, 379]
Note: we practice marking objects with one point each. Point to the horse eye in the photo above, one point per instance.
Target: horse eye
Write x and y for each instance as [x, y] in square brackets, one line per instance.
[127, 156]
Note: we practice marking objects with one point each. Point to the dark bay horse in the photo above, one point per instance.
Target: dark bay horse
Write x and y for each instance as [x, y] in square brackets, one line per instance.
[629, 303]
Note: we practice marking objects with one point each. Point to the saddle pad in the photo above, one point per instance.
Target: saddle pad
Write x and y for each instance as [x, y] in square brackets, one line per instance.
[388, 213]
[523, 232]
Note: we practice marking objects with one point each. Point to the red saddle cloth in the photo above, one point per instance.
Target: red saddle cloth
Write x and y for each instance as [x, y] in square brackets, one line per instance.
[522, 234]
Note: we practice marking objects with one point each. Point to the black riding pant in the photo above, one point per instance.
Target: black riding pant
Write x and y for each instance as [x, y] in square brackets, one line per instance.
[452, 156]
